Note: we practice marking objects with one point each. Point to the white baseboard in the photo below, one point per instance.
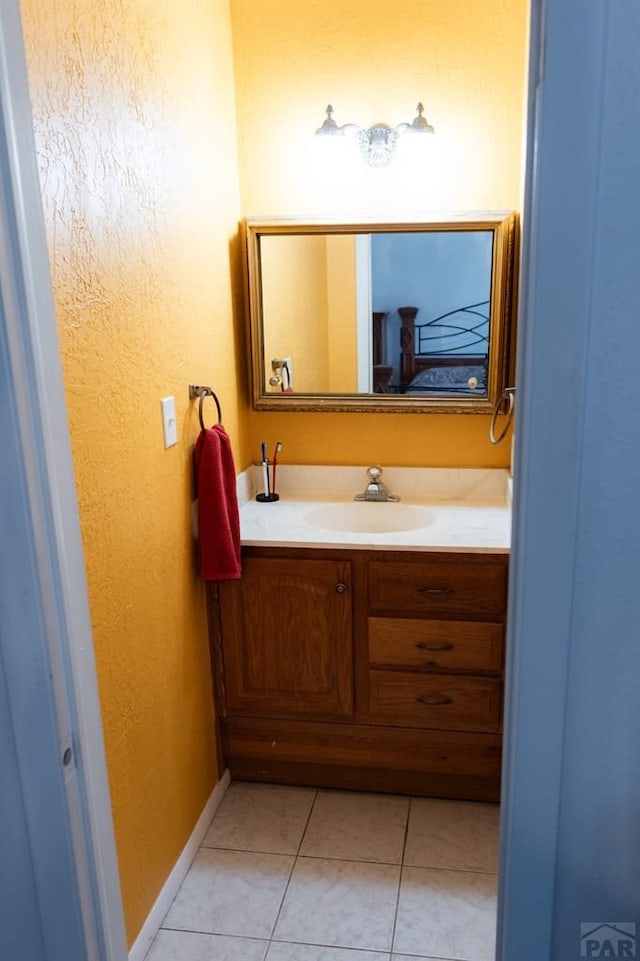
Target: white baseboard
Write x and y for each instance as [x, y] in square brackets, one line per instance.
[170, 888]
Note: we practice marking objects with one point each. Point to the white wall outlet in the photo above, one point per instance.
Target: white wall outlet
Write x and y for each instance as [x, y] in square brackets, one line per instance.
[169, 422]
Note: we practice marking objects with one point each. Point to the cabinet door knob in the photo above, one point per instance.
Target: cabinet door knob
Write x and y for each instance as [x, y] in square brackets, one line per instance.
[434, 646]
[433, 701]
[341, 588]
[433, 590]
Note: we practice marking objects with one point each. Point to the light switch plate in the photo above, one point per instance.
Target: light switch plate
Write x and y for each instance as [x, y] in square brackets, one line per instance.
[169, 423]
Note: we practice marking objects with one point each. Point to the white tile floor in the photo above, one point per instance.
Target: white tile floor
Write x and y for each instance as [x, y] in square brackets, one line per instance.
[295, 874]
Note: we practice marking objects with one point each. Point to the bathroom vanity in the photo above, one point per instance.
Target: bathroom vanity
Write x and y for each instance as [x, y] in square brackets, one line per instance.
[364, 645]
[346, 662]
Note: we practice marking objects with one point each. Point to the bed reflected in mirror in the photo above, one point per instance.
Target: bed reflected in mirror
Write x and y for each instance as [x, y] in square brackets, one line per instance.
[380, 316]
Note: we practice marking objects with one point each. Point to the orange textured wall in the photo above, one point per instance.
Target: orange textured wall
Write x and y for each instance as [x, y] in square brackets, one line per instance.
[373, 61]
[135, 129]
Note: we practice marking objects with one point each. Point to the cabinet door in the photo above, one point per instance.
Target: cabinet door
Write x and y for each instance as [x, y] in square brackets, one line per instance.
[286, 630]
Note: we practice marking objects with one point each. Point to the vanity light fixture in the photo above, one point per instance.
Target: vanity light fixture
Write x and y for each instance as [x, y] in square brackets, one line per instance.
[377, 143]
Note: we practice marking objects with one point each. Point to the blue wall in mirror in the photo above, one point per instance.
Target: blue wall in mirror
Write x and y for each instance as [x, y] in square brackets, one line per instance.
[436, 272]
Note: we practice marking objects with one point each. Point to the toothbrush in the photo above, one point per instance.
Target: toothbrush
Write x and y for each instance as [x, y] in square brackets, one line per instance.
[276, 451]
[265, 469]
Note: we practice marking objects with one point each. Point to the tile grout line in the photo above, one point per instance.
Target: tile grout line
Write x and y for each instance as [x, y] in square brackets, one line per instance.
[306, 826]
[333, 857]
[213, 934]
[314, 944]
[324, 857]
[406, 832]
[404, 848]
[344, 947]
[216, 934]
[293, 866]
[424, 957]
[304, 944]
[435, 867]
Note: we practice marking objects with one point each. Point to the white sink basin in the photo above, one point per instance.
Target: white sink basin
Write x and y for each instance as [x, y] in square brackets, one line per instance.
[369, 517]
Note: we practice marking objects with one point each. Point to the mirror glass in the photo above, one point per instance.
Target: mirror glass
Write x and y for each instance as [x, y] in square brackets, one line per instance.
[380, 316]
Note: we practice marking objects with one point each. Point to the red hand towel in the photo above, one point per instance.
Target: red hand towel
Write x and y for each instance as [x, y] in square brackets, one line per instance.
[218, 517]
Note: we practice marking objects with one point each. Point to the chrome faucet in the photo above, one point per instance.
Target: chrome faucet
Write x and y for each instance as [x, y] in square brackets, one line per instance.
[375, 489]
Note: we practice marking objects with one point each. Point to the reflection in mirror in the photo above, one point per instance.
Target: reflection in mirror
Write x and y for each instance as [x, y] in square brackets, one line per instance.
[430, 296]
[379, 316]
[309, 310]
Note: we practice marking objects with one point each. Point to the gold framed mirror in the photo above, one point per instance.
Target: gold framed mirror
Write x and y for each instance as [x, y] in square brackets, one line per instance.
[380, 316]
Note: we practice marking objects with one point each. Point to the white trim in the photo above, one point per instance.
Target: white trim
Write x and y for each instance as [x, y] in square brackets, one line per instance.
[178, 873]
[363, 312]
[58, 586]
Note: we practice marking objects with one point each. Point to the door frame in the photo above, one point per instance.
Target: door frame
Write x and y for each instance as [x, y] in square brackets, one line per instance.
[545, 502]
[581, 211]
[53, 633]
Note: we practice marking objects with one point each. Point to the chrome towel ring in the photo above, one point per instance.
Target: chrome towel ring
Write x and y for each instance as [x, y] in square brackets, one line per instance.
[509, 398]
[202, 392]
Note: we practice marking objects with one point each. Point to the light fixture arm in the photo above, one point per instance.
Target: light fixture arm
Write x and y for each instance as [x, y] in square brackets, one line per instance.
[331, 128]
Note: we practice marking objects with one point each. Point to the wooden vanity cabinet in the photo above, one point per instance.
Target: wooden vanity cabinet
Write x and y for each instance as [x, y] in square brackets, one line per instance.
[286, 638]
[435, 664]
[363, 669]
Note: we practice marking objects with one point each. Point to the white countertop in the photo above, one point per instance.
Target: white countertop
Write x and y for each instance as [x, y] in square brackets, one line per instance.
[465, 509]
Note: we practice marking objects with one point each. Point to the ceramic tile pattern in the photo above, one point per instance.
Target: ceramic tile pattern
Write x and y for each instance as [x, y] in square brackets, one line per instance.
[448, 914]
[295, 874]
[350, 904]
[357, 827]
[231, 892]
[261, 817]
[453, 834]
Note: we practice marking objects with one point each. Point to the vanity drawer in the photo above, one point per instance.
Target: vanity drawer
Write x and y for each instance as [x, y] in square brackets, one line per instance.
[426, 644]
[456, 585]
[435, 701]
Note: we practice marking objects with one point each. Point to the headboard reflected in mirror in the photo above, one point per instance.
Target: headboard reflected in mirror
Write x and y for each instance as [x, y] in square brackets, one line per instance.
[369, 316]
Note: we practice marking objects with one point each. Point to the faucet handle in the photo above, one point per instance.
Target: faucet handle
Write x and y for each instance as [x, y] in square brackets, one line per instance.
[375, 489]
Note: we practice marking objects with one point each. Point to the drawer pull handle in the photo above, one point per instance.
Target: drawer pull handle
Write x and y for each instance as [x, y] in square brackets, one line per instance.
[434, 590]
[434, 646]
[341, 588]
[433, 701]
